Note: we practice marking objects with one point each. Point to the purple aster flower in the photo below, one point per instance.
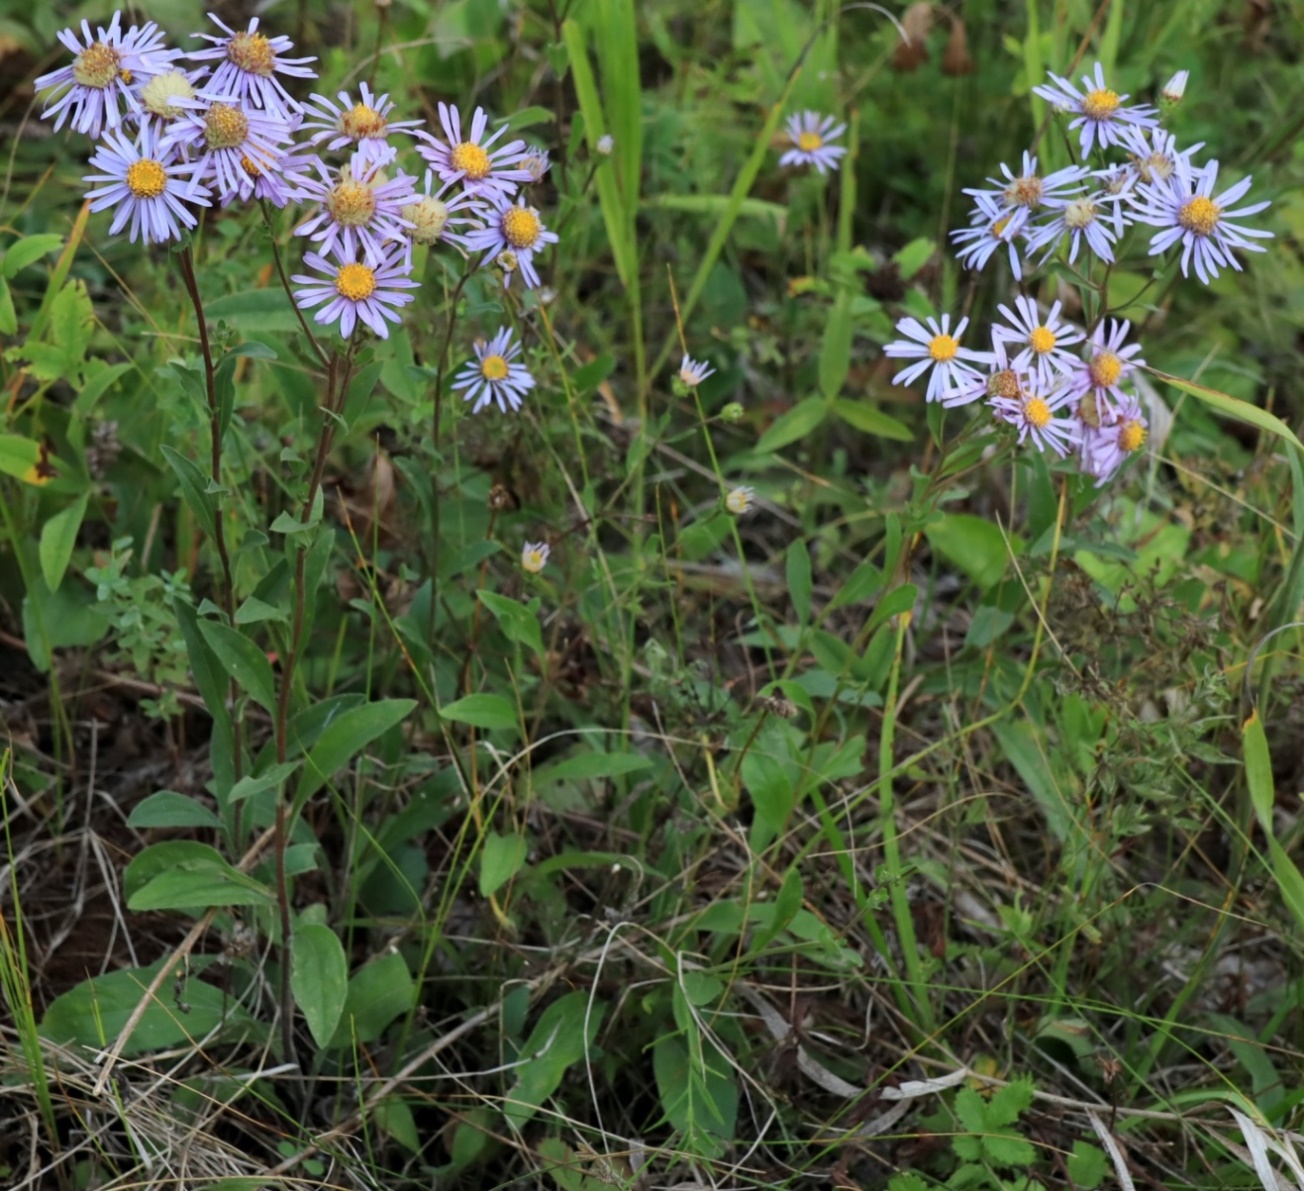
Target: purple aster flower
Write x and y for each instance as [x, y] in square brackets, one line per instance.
[105, 71]
[1106, 365]
[280, 185]
[1081, 220]
[494, 376]
[149, 187]
[167, 95]
[249, 64]
[1102, 114]
[354, 290]
[694, 372]
[935, 348]
[1033, 415]
[431, 217]
[515, 233]
[1028, 189]
[536, 163]
[1185, 213]
[993, 227]
[1042, 343]
[480, 170]
[365, 125]
[1001, 380]
[222, 136]
[360, 209]
[1103, 449]
[810, 134]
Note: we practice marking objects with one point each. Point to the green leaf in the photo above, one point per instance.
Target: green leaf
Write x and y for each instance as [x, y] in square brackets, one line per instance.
[254, 610]
[394, 1116]
[794, 424]
[248, 786]
[835, 349]
[1010, 1102]
[770, 787]
[167, 808]
[62, 350]
[100, 377]
[519, 622]
[27, 251]
[695, 1093]
[865, 581]
[1008, 1149]
[1087, 1165]
[58, 537]
[481, 711]
[8, 315]
[244, 661]
[319, 979]
[211, 683]
[799, 579]
[378, 993]
[194, 490]
[346, 736]
[94, 1012]
[869, 419]
[265, 310]
[1242, 411]
[716, 204]
[197, 885]
[560, 1039]
[590, 766]
[501, 858]
[973, 544]
[913, 257]
[971, 1108]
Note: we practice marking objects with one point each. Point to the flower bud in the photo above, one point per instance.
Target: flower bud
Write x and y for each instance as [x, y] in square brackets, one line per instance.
[733, 412]
[1174, 89]
[605, 145]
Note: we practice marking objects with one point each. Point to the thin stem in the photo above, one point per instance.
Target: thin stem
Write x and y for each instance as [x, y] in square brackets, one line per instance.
[285, 283]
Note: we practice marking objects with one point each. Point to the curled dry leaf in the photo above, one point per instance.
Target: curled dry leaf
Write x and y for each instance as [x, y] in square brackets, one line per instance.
[912, 49]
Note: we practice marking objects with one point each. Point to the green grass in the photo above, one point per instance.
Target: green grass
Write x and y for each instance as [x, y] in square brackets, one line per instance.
[934, 824]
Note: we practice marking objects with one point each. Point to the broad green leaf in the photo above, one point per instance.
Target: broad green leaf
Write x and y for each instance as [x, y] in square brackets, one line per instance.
[210, 680]
[588, 766]
[58, 537]
[100, 377]
[60, 353]
[695, 1092]
[248, 786]
[913, 257]
[378, 993]
[346, 736]
[394, 1116]
[167, 808]
[266, 310]
[194, 489]
[1087, 1165]
[973, 544]
[560, 1039]
[794, 424]
[481, 711]
[18, 455]
[1242, 411]
[319, 979]
[770, 785]
[835, 349]
[799, 579]
[244, 661]
[501, 857]
[94, 1012]
[198, 884]
[869, 419]
[519, 622]
[27, 251]
[8, 315]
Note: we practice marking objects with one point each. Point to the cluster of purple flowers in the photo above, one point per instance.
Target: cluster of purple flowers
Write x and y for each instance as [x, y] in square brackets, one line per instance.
[227, 130]
[1058, 387]
[1158, 185]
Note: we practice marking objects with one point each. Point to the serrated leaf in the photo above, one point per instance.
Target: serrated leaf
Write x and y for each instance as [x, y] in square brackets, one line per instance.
[319, 979]
[1087, 1165]
[1009, 1102]
[481, 711]
[58, 537]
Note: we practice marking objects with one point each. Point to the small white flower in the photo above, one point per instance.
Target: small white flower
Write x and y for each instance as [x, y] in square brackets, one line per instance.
[1175, 88]
[937, 348]
[993, 227]
[1103, 449]
[694, 372]
[1033, 415]
[1041, 343]
[606, 143]
[740, 500]
[534, 556]
[1100, 113]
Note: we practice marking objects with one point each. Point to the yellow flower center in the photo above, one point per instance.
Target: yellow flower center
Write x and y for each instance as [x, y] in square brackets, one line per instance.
[96, 65]
[146, 178]
[1042, 340]
[158, 93]
[1003, 384]
[355, 282]
[1132, 436]
[472, 160]
[225, 127]
[1024, 192]
[252, 52]
[1157, 165]
[1105, 369]
[1100, 104]
[351, 203]
[808, 142]
[943, 348]
[1079, 213]
[493, 368]
[250, 167]
[533, 561]
[1036, 413]
[521, 227]
[429, 215]
[998, 228]
[506, 260]
[1200, 215]
[361, 121]
[126, 76]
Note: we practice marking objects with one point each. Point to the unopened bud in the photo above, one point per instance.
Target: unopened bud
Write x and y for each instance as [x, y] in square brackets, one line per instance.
[1174, 89]
[605, 145]
[733, 412]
